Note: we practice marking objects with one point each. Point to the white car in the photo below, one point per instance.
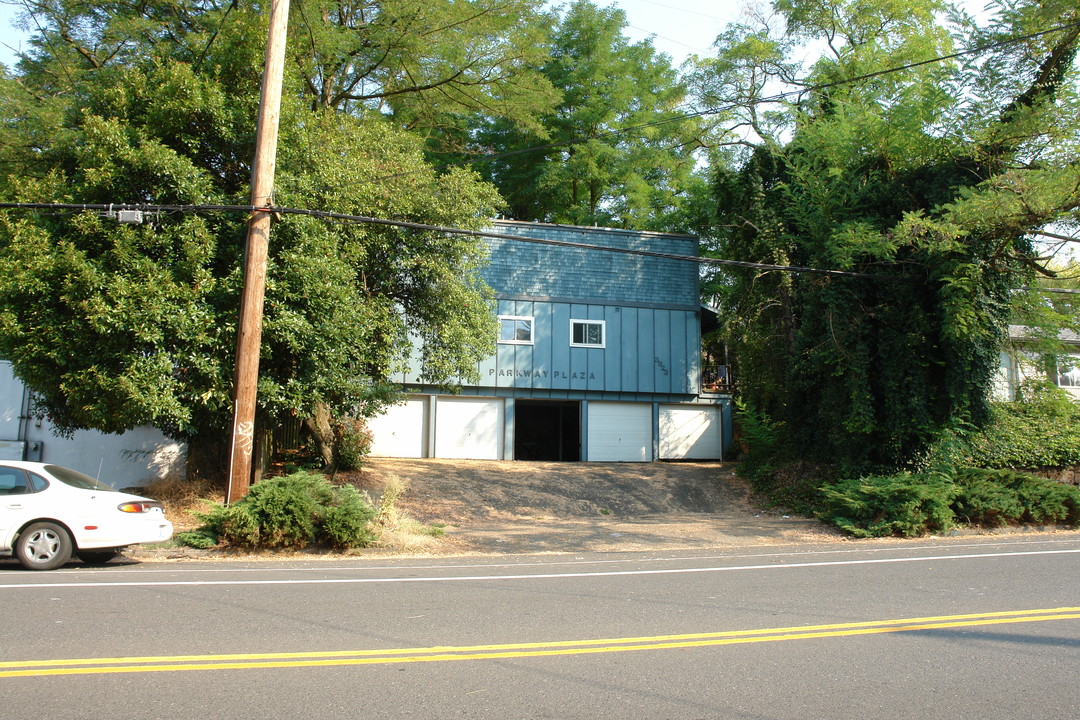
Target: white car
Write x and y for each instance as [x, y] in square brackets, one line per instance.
[49, 513]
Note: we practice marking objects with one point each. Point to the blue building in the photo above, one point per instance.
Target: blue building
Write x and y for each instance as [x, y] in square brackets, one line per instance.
[598, 359]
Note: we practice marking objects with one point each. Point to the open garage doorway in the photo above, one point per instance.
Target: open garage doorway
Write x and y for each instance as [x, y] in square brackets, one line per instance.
[547, 430]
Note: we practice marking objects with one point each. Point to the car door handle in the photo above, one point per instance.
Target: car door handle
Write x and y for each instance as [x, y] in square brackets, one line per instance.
[15, 506]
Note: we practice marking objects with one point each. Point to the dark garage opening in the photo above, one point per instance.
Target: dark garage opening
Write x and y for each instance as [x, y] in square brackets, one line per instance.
[547, 430]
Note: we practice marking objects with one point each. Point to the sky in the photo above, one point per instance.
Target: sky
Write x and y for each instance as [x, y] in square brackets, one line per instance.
[679, 28]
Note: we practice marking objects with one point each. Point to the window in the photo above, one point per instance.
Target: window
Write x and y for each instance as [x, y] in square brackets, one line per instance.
[13, 482]
[1069, 372]
[515, 330]
[587, 333]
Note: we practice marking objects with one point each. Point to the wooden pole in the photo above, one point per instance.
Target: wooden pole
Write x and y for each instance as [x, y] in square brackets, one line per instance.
[249, 331]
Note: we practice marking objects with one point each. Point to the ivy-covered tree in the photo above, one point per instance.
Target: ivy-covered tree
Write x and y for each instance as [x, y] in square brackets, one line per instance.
[616, 150]
[113, 326]
[926, 173]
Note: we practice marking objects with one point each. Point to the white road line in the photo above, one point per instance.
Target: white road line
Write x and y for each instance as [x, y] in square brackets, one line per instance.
[537, 576]
[578, 561]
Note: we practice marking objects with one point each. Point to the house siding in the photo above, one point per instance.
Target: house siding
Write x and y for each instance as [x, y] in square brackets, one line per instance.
[537, 271]
[651, 356]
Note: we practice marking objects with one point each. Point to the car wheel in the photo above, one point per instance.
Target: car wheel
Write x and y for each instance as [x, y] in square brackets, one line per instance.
[43, 546]
[97, 557]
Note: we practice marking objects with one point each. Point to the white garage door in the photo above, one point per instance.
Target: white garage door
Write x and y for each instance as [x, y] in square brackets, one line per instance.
[401, 431]
[690, 432]
[469, 428]
[620, 432]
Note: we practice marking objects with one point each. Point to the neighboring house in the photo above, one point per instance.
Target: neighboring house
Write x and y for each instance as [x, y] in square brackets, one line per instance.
[126, 460]
[599, 359]
[1019, 364]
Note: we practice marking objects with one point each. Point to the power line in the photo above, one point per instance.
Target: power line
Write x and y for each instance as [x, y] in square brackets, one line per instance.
[423, 227]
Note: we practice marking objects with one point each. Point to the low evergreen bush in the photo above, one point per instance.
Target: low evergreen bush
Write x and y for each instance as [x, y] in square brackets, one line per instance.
[982, 501]
[292, 511]
[911, 504]
[906, 505]
[347, 522]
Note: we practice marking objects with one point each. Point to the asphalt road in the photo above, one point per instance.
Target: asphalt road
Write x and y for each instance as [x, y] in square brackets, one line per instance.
[961, 628]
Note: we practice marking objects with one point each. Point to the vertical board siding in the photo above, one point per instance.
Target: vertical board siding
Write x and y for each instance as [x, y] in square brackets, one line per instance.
[646, 355]
[627, 345]
[677, 354]
[646, 350]
[611, 357]
[648, 304]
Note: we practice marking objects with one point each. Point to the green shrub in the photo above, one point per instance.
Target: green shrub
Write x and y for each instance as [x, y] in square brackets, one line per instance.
[762, 437]
[239, 526]
[983, 501]
[879, 506]
[285, 508]
[292, 511]
[1023, 497]
[1047, 502]
[196, 539]
[347, 523]
[1040, 430]
[352, 443]
[915, 504]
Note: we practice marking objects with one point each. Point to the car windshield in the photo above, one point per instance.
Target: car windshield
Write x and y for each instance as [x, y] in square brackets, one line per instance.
[74, 478]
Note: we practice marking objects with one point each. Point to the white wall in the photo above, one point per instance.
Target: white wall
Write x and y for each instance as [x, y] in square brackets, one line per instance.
[128, 459]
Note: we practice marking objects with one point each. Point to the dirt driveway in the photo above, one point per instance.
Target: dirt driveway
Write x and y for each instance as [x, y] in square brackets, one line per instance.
[522, 507]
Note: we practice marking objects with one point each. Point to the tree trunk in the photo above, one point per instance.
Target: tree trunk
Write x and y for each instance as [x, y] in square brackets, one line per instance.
[323, 433]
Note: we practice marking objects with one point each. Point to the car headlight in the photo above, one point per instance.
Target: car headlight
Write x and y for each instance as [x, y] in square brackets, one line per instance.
[140, 506]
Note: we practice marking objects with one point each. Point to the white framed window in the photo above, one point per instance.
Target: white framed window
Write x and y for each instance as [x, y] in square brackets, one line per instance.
[515, 330]
[587, 333]
[1068, 371]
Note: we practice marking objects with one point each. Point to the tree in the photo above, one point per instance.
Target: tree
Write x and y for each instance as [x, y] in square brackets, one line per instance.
[616, 150]
[887, 161]
[113, 326]
[417, 61]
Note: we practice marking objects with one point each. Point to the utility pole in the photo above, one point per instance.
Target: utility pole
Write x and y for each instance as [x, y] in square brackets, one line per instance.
[249, 330]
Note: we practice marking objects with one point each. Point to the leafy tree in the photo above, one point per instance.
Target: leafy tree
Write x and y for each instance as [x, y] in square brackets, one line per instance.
[616, 150]
[927, 176]
[113, 325]
[417, 61]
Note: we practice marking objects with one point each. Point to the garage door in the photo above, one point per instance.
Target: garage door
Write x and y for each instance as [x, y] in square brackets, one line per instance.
[469, 428]
[620, 432]
[690, 432]
[401, 431]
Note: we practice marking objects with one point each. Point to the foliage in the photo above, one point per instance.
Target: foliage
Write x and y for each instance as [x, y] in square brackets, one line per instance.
[419, 62]
[910, 504]
[352, 443]
[114, 326]
[347, 522]
[291, 511]
[1041, 429]
[196, 539]
[615, 150]
[878, 506]
[915, 175]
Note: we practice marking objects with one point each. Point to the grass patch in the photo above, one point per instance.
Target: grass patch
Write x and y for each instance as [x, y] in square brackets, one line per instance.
[184, 498]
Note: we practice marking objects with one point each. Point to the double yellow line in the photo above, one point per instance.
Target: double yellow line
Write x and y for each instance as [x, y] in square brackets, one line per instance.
[180, 663]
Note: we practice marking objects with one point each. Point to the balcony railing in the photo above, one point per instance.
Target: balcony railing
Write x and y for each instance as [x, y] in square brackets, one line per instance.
[716, 379]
